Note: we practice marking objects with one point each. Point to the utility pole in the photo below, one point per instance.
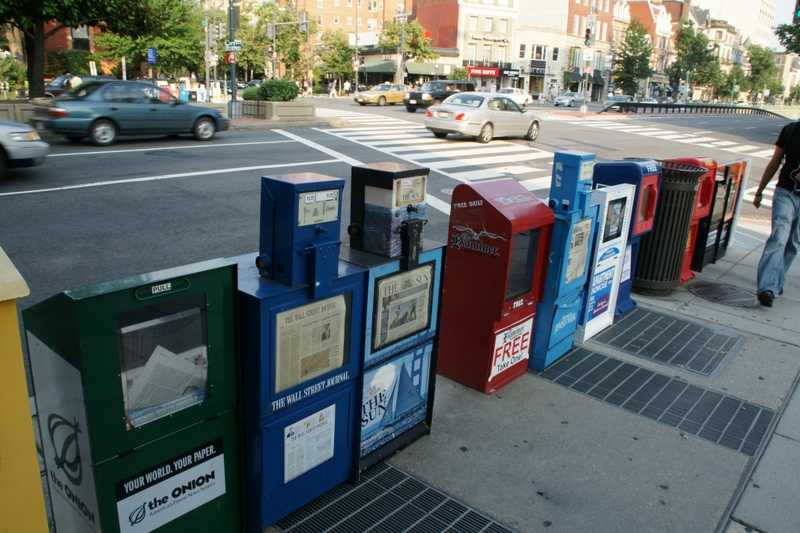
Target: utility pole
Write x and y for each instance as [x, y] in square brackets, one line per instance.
[234, 108]
[402, 74]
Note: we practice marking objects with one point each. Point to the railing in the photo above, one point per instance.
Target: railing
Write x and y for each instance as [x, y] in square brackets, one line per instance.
[654, 109]
[486, 64]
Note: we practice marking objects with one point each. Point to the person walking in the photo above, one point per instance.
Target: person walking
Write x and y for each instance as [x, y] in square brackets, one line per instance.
[784, 239]
[333, 89]
[346, 86]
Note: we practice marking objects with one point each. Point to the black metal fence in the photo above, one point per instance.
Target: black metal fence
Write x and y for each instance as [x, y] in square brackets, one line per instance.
[654, 109]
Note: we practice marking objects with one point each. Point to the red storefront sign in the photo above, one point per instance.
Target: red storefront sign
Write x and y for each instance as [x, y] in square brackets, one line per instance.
[486, 72]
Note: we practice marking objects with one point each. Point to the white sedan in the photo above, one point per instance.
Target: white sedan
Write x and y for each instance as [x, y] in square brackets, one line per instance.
[518, 95]
[20, 146]
[481, 115]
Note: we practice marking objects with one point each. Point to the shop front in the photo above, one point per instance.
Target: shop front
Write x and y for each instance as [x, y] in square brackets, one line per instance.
[536, 82]
[486, 78]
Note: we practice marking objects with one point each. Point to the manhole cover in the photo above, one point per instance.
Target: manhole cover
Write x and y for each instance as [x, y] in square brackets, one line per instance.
[723, 294]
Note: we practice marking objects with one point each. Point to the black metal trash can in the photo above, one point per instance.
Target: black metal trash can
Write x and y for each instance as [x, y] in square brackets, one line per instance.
[661, 251]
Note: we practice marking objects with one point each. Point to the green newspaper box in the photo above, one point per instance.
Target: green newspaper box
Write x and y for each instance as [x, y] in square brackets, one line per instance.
[136, 389]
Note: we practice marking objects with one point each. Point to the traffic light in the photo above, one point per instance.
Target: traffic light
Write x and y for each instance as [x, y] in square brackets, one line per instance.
[796, 15]
[304, 22]
[222, 29]
[270, 51]
[587, 39]
[213, 35]
[361, 60]
[271, 31]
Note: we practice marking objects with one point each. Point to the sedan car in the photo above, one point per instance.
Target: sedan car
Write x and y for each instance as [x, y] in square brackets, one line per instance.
[618, 99]
[649, 100]
[518, 95]
[385, 93]
[570, 99]
[102, 110]
[20, 146]
[481, 115]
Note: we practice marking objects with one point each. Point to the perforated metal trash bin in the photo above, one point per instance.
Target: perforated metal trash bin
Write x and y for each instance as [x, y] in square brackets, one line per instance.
[661, 252]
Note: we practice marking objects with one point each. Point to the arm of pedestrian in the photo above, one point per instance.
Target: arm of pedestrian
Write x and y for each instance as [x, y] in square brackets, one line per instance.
[769, 172]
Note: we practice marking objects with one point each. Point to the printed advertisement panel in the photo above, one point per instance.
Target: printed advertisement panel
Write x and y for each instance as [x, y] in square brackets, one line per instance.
[600, 292]
[511, 346]
[308, 443]
[395, 397]
[310, 341]
[65, 440]
[169, 490]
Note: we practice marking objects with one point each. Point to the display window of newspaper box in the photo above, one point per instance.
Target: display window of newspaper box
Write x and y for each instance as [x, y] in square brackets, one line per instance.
[137, 392]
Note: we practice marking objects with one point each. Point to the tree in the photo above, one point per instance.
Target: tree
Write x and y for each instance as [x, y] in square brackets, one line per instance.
[30, 16]
[763, 70]
[408, 37]
[335, 52]
[459, 73]
[291, 45]
[693, 57]
[789, 37]
[632, 62]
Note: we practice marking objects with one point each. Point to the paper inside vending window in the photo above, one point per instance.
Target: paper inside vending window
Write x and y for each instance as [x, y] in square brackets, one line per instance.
[402, 305]
[578, 250]
[163, 350]
[311, 340]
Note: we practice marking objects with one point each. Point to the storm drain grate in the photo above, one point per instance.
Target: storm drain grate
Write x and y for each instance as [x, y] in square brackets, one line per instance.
[724, 294]
[387, 500]
[671, 341]
[709, 415]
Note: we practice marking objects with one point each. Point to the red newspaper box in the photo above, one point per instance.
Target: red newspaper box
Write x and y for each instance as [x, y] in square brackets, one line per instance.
[497, 253]
[702, 207]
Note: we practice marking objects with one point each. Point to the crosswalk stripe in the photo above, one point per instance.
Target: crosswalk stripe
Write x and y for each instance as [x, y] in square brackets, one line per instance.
[469, 151]
[473, 175]
[487, 160]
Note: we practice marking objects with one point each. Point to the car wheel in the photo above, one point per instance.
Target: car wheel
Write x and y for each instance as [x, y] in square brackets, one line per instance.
[103, 132]
[3, 162]
[411, 109]
[486, 133]
[204, 129]
[526, 103]
[533, 131]
[572, 103]
[361, 103]
[381, 101]
[440, 134]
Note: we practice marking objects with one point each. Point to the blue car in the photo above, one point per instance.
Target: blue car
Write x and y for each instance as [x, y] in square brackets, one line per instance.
[102, 110]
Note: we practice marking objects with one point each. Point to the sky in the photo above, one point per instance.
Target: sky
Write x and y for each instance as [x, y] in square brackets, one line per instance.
[783, 15]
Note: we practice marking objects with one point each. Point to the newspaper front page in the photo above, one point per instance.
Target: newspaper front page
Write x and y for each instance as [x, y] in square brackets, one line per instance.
[401, 305]
[309, 341]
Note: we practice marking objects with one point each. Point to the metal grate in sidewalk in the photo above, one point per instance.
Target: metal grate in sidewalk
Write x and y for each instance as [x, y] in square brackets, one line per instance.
[672, 341]
[706, 414]
[387, 500]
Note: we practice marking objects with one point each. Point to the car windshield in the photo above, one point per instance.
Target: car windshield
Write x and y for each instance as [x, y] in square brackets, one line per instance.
[618, 98]
[83, 90]
[57, 81]
[433, 86]
[465, 99]
[382, 87]
[507, 90]
[568, 94]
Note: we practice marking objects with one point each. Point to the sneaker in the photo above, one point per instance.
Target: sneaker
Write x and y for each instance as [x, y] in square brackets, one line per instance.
[766, 298]
[780, 292]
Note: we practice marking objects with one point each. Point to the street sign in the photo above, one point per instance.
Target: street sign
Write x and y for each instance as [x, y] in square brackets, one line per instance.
[212, 62]
[233, 46]
[230, 57]
[151, 56]
[588, 54]
[590, 21]
[587, 70]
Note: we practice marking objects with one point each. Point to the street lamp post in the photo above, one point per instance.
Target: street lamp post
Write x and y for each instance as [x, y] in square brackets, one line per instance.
[404, 17]
[234, 108]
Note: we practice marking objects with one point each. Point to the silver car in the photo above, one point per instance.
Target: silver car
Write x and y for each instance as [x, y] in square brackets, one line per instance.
[569, 99]
[481, 115]
[20, 146]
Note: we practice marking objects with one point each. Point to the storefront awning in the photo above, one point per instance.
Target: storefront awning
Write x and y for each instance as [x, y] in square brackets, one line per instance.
[385, 67]
[575, 76]
[598, 78]
[425, 69]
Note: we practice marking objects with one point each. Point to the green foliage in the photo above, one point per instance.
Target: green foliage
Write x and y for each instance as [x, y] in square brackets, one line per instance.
[318, 89]
[794, 94]
[763, 70]
[278, 90]
[291, 45]
[13, 71]
[417, 40]
[336, 54]
[251, 93]
[789, 37]
[60, 62]
[632, 62]
[694, 59]
[459, 73]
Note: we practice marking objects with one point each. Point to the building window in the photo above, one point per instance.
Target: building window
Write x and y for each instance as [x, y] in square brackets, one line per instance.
[606, 9]
[372, 24]
[336, 3]
[358, 22]
[336, 19]
[349, 3]
[319, 3]
[400, 9]
[472, 52]
[719, 35]
[503, 26]
[522, 51]
[487, 53]
[605, 32]
[538, 52]
[358, 3]
[555, 53]
[487, 24]
[586, 2]
[501, 53]
[473, 23]
[575, 21]
[373, 6]
[349, 21]
[319, 20]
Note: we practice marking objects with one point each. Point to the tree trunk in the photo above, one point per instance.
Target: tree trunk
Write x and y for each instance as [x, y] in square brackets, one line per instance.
[34, 49]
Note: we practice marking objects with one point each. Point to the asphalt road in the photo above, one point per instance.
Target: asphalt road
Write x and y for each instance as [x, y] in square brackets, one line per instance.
[96, 214]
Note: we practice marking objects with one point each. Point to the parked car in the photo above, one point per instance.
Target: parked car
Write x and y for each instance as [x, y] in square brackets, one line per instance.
[435, 92]
[61, 84]
[20, 146]
[481, 115]
[102, 110]
[649, 100]
[665, 100]
[385, 93]
[569, 99]
[255, 83]
[618, 99]
[518, 95]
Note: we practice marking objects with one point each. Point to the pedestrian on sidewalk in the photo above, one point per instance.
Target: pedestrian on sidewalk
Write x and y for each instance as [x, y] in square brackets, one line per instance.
[333, 89]
[346, 87]
[784, 240]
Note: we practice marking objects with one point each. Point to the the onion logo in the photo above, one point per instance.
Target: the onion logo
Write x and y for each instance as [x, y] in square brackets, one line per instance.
[64, 437]
[138, 514]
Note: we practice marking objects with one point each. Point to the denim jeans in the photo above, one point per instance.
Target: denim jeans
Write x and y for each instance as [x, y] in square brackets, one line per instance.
[782, 245]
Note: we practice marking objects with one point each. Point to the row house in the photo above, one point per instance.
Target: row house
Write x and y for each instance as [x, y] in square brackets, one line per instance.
[657, 19]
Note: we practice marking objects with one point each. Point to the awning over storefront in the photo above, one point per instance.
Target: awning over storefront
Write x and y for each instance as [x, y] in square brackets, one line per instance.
[385, 67]
[575, 76]
[427, 69]
[598, 78]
